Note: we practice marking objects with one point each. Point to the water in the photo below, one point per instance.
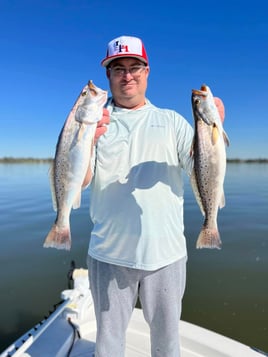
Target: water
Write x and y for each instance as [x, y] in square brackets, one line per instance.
[226, 291]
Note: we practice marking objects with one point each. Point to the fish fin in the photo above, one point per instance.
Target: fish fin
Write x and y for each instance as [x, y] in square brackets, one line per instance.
[215, 134]
[59, 238]
[209, 238]
[222, 200]
[193, 144]
[87, 178]
[225, 138]
[81, 131]
[88, 175]
[77, 201]
[196, 192]
[52, 186]
[192, 149]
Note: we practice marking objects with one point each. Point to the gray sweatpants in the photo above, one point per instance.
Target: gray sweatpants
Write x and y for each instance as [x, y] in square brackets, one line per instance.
[115, 290]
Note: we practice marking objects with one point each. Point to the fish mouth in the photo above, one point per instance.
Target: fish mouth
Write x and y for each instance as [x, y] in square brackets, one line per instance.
[92, 88]
[202, 91]
[199, 95]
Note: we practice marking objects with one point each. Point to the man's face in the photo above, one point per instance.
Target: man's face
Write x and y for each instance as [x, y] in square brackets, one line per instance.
[128, 82]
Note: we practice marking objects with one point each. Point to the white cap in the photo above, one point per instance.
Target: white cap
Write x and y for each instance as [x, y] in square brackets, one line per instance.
[125, 46]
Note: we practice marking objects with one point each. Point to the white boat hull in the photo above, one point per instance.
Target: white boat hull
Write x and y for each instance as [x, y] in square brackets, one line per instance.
[71, 331]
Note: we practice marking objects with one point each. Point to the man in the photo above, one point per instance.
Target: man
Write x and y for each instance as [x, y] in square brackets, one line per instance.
[137, 246]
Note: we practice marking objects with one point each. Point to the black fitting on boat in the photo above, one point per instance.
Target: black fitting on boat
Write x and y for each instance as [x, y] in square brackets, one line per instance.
[70, 274]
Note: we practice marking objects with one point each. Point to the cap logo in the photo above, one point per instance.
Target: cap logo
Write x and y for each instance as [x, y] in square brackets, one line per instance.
[118, 47]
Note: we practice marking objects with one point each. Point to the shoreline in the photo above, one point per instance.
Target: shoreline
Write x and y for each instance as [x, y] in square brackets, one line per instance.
[23, 160]
[28, 160]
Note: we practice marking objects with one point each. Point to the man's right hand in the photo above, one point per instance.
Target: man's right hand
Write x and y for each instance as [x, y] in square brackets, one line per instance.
[102, 124]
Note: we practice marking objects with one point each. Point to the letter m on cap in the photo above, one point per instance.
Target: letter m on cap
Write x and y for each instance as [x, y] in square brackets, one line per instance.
[120, 48]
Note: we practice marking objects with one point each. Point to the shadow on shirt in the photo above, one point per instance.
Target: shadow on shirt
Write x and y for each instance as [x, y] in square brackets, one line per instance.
[121, 216]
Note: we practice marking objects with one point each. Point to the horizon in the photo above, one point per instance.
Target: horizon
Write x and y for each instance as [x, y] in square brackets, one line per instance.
[13, 159]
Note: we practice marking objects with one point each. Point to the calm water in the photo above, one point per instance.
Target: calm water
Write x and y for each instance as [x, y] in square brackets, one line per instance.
[227, 290]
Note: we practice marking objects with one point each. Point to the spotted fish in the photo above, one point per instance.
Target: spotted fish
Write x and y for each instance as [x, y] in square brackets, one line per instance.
[72, 160]
[209, 155]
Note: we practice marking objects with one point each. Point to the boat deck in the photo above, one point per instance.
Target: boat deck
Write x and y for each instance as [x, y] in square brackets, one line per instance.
[70, 331]
[137, 342]
[195, 341]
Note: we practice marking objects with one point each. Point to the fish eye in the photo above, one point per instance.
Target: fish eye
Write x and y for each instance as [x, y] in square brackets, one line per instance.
[197, 101]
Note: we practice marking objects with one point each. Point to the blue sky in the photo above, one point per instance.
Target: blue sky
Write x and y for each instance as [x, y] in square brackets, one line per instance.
[49, 50]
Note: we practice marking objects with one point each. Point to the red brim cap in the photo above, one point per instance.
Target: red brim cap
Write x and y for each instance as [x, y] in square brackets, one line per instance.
[125, 46]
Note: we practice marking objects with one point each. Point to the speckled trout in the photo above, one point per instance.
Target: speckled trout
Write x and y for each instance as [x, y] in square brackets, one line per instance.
[72, 160]
[209, 169]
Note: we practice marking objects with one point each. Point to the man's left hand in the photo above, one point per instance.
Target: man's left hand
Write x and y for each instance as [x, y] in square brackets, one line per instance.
[220, 107]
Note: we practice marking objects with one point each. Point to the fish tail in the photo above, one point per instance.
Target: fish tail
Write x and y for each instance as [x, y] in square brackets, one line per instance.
[59, 238]
[209, 238]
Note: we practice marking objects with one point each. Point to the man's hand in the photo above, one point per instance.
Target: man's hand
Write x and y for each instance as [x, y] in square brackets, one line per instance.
[101, 125]
[220, 107]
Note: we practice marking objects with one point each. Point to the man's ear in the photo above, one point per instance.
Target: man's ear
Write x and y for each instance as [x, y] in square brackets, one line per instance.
[108, 73]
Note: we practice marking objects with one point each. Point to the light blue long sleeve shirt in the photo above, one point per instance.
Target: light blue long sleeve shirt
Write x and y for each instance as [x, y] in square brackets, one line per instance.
[136, 194]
